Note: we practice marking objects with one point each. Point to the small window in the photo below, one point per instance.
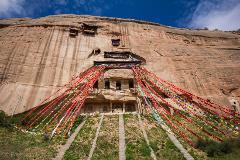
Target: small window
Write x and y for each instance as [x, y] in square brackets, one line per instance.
[90, 32]
[115, 42]
[73, 32]
[95, 51]
[107, 84]
[95, 85]
[90, 29]
[131, 83]
[118, 85]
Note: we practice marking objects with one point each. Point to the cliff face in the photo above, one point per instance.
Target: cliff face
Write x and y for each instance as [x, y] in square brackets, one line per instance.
[37, 56]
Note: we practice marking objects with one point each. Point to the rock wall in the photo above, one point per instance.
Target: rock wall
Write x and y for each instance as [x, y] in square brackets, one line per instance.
[37, 56]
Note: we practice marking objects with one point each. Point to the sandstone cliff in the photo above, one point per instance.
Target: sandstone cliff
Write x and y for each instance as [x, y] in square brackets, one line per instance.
[37, 56]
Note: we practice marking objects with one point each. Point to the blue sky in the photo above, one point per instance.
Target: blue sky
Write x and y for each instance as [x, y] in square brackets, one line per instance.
[220, 14]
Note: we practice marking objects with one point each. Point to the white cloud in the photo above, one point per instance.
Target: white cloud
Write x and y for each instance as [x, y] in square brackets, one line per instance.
[9, 8]
[216, 14]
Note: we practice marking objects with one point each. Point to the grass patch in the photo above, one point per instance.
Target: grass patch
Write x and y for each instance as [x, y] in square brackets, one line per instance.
[18, 145]
[107, 142]
[81, 146]
[159, 141]
[136, 146]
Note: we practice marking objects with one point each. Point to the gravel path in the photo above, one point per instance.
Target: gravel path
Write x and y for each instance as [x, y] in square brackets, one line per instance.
[65, 147]
[122, 146]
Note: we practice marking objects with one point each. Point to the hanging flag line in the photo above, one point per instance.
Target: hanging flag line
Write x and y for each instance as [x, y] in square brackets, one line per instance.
[224, 110]
[234, 118]
[206, 126]
[183, 116]
[49, 97]
[161, 111]
[58, 112]
[188, 109]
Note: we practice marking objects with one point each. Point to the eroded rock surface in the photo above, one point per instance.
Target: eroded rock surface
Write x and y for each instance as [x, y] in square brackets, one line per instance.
[37, 56]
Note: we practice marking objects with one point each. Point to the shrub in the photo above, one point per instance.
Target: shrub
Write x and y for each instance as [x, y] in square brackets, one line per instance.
[201, 144]
[2, 117]
[4, 121]
[226, 147]
[213, 148]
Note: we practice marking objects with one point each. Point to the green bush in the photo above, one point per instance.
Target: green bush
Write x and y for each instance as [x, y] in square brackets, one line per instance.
[226, 147]
[213, 148]
[201, 144]
[4, 121]
[2, 117]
